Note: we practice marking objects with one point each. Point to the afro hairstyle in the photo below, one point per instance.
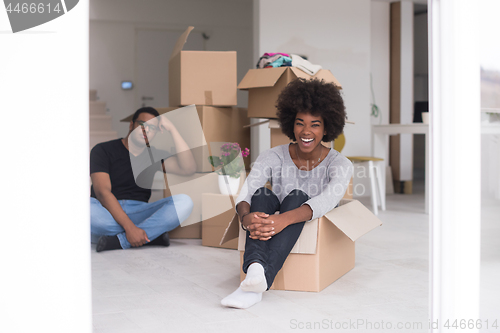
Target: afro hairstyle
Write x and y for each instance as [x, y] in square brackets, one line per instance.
[316, 97]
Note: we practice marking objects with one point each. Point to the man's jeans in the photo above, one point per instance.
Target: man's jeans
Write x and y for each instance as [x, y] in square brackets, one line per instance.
[271, 254]
[155, 218]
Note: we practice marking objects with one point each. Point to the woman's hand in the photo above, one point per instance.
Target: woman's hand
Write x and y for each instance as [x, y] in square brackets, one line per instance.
[256, 223]
[278, 223]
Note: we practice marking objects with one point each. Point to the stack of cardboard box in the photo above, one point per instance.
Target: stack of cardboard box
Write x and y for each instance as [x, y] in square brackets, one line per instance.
[208, 80]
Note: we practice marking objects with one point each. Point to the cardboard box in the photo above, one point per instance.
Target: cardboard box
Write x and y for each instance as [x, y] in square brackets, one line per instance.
[219, 125]
[324, 251]
[265, 85]
[193, 186]
[196, 186]
[201, 77]
[217, 210]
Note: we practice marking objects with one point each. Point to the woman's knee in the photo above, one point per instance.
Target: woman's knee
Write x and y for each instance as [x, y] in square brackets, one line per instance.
[293, 200]
[264, 200]
[263, 194]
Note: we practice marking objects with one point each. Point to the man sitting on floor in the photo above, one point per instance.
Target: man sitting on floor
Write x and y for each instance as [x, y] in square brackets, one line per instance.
[121, 216]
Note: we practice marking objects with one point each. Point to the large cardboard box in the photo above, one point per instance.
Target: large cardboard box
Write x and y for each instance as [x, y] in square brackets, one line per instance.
[324, 251]
[216, 210]
[265, 85]
[219, 125]
[201, 77]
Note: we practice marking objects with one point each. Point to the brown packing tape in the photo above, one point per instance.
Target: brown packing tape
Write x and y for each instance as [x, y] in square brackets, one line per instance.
[208, 97]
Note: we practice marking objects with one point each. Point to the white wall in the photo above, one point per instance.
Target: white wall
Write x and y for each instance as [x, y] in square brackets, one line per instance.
[112, 40]
[334, 34]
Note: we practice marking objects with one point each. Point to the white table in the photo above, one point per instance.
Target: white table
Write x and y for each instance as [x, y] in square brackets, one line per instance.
[380, 147]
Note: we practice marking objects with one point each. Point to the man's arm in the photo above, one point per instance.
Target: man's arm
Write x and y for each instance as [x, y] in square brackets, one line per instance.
[183, 163]
[102, 188]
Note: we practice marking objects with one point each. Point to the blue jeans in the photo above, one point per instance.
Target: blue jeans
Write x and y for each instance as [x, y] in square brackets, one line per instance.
[271, 254]
[155, 218]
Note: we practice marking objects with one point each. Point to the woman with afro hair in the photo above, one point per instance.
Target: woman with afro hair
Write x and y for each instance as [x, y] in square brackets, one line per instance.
[307, 178]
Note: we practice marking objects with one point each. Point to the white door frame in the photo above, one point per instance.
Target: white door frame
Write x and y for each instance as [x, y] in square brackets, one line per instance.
[455, 163]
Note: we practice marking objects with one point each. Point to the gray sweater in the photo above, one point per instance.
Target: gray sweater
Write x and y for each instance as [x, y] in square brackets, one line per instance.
[325, 184]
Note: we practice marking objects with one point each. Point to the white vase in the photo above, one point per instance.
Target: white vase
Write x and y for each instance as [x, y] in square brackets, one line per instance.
[228, 185]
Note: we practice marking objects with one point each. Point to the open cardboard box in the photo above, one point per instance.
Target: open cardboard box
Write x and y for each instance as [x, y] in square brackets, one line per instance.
[324, 251]
[264, 86]
[202, 222]
[219, 125]
[201, 77]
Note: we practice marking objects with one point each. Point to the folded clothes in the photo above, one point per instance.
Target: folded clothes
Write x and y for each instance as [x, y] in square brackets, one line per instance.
[304, 65]
[280, 61]
[265, 60]
[277, 60]
[273, 54]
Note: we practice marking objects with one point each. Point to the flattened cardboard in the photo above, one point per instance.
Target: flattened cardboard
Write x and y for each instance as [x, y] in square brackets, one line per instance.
[201, 77]
[265, 85]
[219, 125]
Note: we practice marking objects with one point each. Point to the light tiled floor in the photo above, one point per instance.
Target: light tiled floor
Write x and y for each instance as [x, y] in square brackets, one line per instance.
[179, 288]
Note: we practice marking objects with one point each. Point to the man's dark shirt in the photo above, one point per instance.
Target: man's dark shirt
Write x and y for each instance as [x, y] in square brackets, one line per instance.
[113, 158]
